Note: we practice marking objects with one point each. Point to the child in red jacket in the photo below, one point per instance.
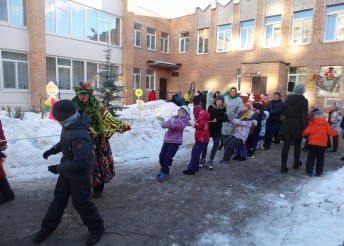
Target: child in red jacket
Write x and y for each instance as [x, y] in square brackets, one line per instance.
[202, 136]
[6, 193]
[318, 132]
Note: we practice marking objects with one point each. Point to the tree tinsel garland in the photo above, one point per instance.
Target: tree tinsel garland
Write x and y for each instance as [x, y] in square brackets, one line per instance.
[93, 108]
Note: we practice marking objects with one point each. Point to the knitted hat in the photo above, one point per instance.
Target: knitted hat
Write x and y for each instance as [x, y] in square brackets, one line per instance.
[337, 105]
[317, 114]
[185, 109]
[247, 106]
[299, 89]
[220, 97]
[84, 87]
[257, 105]
[63, 109]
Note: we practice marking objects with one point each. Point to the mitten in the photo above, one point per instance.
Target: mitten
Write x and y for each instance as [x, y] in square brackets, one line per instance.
[53, 169]
[48, 153]
[2, 155]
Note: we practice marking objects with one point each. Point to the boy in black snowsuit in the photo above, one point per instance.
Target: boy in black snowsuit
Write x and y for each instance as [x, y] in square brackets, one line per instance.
[74, 171]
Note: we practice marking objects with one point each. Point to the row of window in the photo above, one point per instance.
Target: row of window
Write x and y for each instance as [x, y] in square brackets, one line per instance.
[70, 19]
[301, 32]
[150, 79]
[15, 70]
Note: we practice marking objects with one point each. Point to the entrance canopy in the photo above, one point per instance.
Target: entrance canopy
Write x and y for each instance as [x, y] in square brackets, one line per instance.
[164, 64]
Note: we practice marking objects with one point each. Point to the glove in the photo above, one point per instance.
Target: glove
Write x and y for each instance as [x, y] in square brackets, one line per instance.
[2, 155]
[53, 169]
[48, 153]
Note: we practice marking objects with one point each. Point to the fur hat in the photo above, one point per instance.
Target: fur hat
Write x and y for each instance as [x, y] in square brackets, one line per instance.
[337, 105]
[84, 87]
[63, 109]
[299, 89]
[186, 110]
[220, 97]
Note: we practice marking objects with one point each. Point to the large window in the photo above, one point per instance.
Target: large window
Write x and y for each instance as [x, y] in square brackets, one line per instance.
[13, 12]
[150, 80]
[273, 31]
[71, 19]
[151, 38]
[334, 30]
[137, 35]
[296, 76]
[137, 78]
[184, 42]
[164, 42]
[203, 41]
[247, 35]
[15, 69]
[302, 27]
[223, 37]
[67, 73]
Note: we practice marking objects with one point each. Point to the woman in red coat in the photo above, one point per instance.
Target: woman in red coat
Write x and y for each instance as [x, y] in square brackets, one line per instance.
[6, 193]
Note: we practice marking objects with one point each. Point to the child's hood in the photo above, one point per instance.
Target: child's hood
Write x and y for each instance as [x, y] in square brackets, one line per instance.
[319, 121]
[203, 115]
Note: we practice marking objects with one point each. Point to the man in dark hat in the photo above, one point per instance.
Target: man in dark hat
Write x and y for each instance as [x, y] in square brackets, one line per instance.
[74, 169]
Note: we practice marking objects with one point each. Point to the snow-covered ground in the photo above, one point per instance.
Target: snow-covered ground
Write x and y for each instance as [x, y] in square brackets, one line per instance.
[316, 218]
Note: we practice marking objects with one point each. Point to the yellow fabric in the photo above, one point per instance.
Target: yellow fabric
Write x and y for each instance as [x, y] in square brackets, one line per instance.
[111, 125]
[187, 97]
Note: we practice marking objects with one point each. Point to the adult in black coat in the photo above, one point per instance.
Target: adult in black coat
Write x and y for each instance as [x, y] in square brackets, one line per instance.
[197, 98]
[296, 120]
[217, 111]
[274, 122]
[74, 169]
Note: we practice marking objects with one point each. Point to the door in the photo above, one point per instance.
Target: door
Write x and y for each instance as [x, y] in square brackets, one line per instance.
[163, 89]
[259, 85]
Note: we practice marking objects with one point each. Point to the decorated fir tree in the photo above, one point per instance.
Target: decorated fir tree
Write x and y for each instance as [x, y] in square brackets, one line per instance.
[109, 89]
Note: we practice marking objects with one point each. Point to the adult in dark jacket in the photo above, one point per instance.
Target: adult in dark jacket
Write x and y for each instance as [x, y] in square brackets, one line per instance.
[204, 100]
[197, 98]
[217, 111]
[74, 169]
[274, 122]
[296, 120]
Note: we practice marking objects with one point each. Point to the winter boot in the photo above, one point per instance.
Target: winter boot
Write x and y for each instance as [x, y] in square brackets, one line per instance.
[95, 237]
[297, 165]
[6, 191]
[163, 176]
[201, 163]
[40, 237]
[189, 172]
[210, 164]
[334, 150]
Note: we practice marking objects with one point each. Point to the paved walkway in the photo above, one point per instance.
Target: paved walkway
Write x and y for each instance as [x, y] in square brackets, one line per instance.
[138, 210]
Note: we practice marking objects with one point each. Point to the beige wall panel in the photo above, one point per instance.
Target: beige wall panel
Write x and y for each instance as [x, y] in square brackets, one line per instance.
[224, 14]
[303, 4]
[203, 17]
[274, 7]
[248, 9]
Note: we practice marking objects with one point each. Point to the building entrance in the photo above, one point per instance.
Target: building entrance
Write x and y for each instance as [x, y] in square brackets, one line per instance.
[259, 84]
[163, 89]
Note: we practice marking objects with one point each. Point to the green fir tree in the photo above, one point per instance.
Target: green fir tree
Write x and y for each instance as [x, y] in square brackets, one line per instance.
[109, 89]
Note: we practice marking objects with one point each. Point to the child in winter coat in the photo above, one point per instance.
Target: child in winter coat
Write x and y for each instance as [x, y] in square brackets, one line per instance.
[74, 170]
[255, 137]
[310, 118]
[334, 119]
[172, 140]
[218, 115]
[317, 132]
[6, 193]
[239, 137]
[201, 138]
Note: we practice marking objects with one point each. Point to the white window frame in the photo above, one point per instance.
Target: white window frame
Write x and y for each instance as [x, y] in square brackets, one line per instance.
[16, 71]
[337, 13]
[183, 48]
[150, 79]
[165, 41]
[135, 77]
[249, 35]
[204, 37]
[297, 77]
[137, 35]
[272, 23]
[12, 21]
[151, 37]
[224, 33]
[302, 20]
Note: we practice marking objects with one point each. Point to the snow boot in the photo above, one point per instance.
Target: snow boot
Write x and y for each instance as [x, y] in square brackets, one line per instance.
[6, 191]
[201, 163]
[163, 176]
[210, 164]
[188, 172]
[40, 237]
[95, 237]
